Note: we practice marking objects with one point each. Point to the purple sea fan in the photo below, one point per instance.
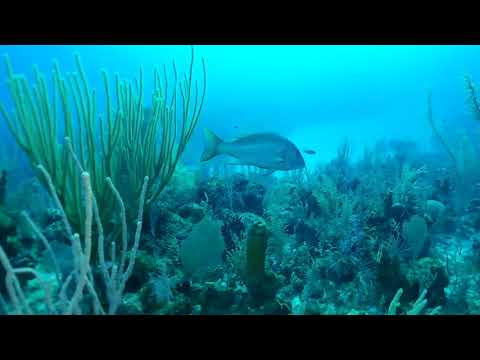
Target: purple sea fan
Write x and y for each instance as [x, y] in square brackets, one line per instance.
[350, 255]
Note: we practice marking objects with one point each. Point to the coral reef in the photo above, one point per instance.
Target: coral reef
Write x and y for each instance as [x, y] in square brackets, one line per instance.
[134, 231]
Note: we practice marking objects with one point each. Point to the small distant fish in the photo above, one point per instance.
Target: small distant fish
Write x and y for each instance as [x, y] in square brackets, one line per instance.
[263, 150]
[235, 127]
[309, 152]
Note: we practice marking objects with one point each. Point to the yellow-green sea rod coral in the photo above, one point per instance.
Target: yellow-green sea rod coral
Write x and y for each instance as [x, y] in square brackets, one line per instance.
[107, 139]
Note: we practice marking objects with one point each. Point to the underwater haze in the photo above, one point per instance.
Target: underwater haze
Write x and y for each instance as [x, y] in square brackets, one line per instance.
[259, 179]
[316, 95]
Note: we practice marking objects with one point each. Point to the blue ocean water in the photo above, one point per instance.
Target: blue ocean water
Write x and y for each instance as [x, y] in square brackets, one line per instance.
[315, 95]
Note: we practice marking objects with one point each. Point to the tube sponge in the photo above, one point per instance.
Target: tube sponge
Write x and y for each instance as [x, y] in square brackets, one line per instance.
[256, 250]
[262, 285]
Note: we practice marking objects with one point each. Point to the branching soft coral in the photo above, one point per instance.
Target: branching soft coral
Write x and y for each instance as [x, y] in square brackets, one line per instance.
[472, 97]
[120, 143]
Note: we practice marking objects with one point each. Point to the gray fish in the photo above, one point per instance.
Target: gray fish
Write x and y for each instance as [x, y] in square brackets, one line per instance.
[309, 152]
[263, 150]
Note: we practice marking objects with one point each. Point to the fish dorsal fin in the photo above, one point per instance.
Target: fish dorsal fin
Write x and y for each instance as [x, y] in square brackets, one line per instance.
[234, 161]
[241, 136]
[260, 137]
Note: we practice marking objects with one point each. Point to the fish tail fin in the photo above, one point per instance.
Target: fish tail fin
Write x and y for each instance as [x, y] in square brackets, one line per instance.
[211, 145]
